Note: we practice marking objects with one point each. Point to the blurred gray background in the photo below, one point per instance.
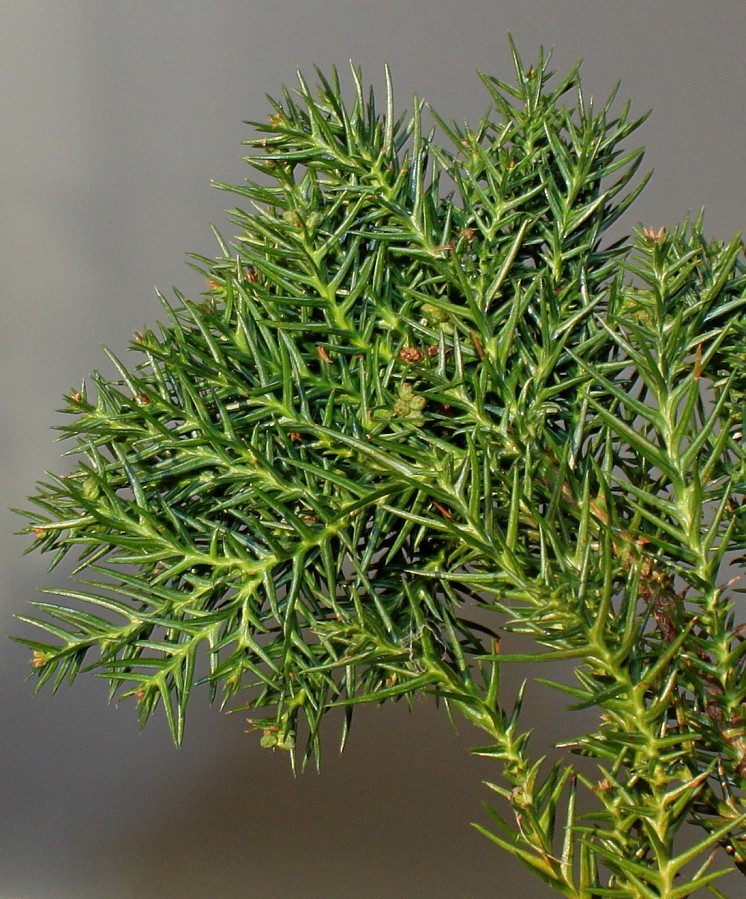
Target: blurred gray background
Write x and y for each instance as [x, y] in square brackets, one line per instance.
[115, 117]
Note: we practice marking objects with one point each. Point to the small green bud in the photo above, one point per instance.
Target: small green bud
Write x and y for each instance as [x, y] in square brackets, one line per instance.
[268, 740]
[409, 404]
[90, 488]
[286, 743]
[435, 315]
[292, 217]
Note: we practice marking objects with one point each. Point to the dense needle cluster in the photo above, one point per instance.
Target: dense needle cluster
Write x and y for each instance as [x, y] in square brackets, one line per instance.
[423, 385]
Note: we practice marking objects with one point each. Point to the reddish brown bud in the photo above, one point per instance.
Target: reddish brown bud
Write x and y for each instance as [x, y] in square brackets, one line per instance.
[654, 236]
[697, 373]
[478, 345]
[443, 511]
[411, 354]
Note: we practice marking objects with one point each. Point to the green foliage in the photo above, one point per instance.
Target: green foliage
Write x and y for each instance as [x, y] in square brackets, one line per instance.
[394, 405]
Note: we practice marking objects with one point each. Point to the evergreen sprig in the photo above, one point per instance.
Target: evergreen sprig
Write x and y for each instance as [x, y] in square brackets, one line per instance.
[397, 408]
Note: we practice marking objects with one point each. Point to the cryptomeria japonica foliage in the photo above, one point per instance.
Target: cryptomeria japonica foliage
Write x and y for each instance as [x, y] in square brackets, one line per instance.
[424, 385]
